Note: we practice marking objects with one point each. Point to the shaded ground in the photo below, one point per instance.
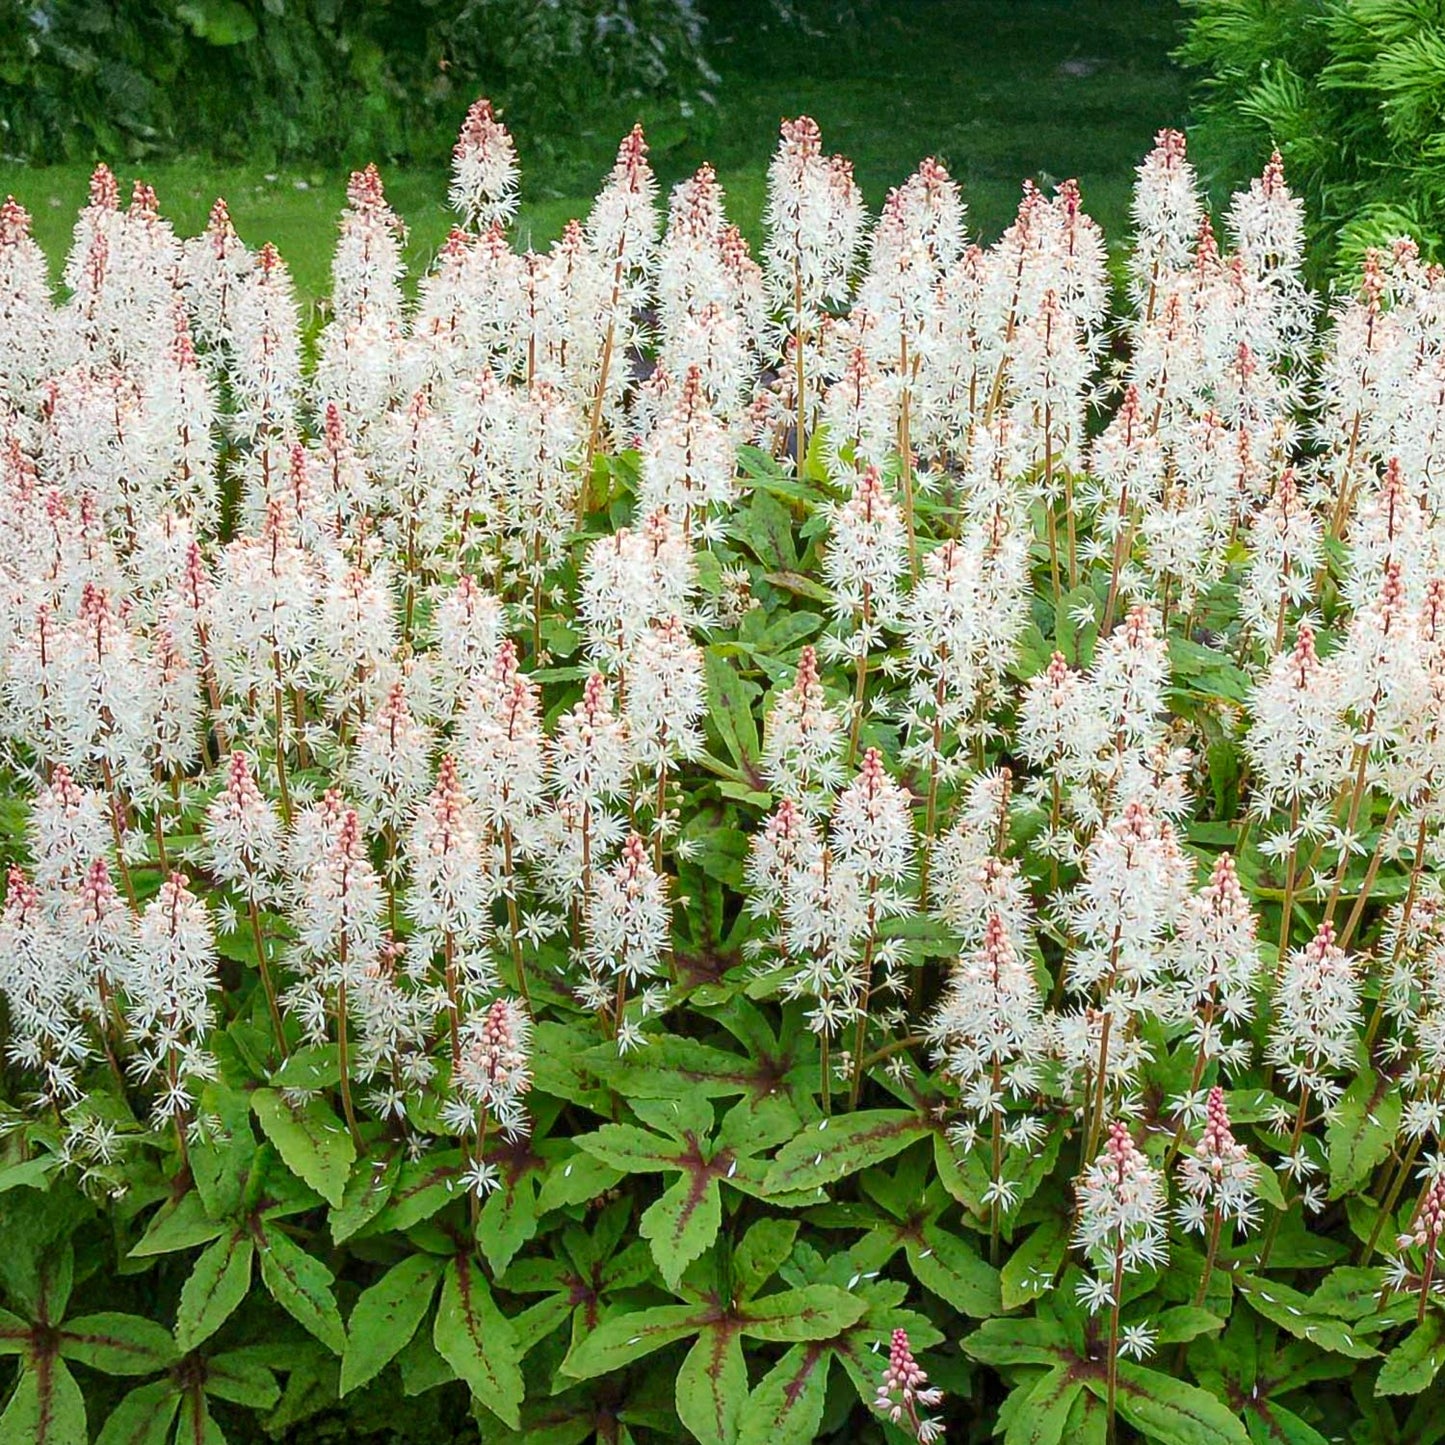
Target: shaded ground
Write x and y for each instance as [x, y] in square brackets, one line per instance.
[998, 89]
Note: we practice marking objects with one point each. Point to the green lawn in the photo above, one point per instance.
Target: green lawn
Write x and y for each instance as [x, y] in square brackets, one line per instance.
[998, 89]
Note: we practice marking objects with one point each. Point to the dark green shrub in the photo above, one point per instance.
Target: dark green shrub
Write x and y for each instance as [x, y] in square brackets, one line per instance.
[327, 78]
[1353, 94]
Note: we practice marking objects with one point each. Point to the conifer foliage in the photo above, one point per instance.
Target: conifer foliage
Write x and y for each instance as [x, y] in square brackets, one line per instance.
[1351, 91]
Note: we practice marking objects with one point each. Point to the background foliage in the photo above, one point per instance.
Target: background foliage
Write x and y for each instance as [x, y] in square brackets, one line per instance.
[322, 78]
[1353, 94]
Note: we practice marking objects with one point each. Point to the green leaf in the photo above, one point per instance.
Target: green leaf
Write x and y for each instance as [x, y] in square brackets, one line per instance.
[423, 1187]
[386, 1317]
[36, 1260]
[762, 468]
[813, 1312]
[767, 527]
[196, 1425]
[786, 1407]
[1169, 1411]
[944, 1263]
[1019, 1342]
[421, 1367]
[367, 1193]
[508, 1219]
[242, 1379]
[478, 1341]
[801, 586]
[314, 1145]
[56, 1279]
[535, 1324]
[216, 1286]
[715, 846]
[1223, 766]
[1270, 1190]
[781, 635]
[1413, 1364]
[47, 1407]
[28, 1174]
[964, 1179]
[118, 1344]
[1032, 1268]
[632, 1150]
[1295, 1313]
[1088, 1422]
[628, 1336]
[1075, 642]
[576, 1178]
[1361, 1130]
[181, 1224]
[560, 1066]
[1184, 1323]
[1269, 1423]
[143, 1417]
[15, 1334]
[712, 1386]
[686, 1119]
[1349, 1292]
[764, 1247]
[1297, 1246]
[1208, 670]
[301, 1285]
[222, 1161]
[837, 1147]
[730, 707]
[310, 1069]
[682, 1222]
[1043, 1411]
[220, 22]
[311, 1386]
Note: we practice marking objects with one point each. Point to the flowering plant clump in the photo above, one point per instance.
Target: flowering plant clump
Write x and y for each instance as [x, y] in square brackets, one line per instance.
[647, 844]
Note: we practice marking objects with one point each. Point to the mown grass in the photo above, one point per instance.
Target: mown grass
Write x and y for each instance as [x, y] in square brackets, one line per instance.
[997, 89]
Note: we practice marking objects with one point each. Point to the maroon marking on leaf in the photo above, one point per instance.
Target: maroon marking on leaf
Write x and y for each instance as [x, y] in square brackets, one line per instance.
[586, 1296]
[762, 1077]
[720, 1336]
[932, 1106]
[412, 1192]
[35, 1335]
[770, 1077]
[463, 1272]
[119, 1343]
[795, 1165]
[910, 1230]
[514, 1160]
[702, 966]
[44, 1367]
[812, 1357]
[701, 1172]
[197, 1414]
[438, 1174]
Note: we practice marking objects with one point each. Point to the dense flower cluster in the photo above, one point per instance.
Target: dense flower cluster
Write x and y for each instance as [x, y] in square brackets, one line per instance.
[873, 654]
